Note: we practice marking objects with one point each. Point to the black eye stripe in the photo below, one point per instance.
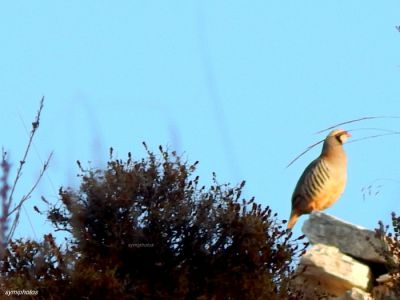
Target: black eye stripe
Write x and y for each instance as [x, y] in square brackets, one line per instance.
[338, 138]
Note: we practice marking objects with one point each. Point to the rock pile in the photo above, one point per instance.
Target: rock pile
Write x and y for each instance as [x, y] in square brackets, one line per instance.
[343, 263]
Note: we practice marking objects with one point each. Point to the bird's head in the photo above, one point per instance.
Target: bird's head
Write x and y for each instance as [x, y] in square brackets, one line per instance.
[334, 141]
[338, 136]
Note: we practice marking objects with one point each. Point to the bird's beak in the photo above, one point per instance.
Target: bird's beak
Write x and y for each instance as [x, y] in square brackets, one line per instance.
[348, 134]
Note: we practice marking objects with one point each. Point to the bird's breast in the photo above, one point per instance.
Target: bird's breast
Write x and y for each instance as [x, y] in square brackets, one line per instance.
[328, 196]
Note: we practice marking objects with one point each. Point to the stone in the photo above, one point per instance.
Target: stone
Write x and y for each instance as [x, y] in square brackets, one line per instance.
[384, 289]
[324, 269]
[383, 292]
[350, 239]
[384, 278]
[355, 294]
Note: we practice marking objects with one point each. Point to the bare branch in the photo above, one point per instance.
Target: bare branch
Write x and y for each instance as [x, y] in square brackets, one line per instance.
[5, 167]
[7, 192]
[26, 197]
[35, 126]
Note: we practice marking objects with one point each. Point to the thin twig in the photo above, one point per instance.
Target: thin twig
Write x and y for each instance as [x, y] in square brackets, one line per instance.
[26, 197]
[357, 120]
[17, 209]
[5, 167]
[304, 152]
[38, 155]
[373, 128]
[373, 136]
[388, 132]
[35, 126]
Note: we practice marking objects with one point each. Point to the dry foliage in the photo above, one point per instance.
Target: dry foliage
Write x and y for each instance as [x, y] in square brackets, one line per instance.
[390, 235]
[146, 229]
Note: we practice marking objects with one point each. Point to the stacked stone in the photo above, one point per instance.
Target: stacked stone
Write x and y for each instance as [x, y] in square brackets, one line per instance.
[343, 263]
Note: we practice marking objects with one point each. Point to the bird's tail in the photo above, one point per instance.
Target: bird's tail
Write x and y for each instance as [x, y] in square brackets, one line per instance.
[293, 219]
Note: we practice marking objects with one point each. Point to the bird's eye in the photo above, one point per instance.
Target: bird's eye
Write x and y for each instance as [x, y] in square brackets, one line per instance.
[339, 138]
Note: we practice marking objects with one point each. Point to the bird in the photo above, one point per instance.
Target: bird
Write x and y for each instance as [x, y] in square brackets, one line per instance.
[323, 181]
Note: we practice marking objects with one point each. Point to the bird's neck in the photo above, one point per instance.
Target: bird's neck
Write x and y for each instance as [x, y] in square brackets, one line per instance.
[334, 154]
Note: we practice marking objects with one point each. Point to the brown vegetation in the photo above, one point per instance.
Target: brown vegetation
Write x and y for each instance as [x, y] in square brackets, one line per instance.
[146, 229]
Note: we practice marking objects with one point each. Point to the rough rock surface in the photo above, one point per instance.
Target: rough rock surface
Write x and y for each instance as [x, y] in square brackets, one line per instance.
[355, 294]
[332, 271]
[350, 239]
[384, 290]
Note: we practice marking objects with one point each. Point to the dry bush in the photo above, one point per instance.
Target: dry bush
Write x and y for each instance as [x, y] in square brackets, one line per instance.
[146, 229]
[390, 235]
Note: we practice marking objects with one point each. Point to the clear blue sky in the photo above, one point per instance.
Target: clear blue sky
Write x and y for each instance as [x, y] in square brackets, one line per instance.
[241, 87]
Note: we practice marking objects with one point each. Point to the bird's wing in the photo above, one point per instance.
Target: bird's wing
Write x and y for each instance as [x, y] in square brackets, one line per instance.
[312, 179]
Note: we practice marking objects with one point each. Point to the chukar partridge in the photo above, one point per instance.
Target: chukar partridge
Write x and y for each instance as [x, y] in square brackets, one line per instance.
[324, 179]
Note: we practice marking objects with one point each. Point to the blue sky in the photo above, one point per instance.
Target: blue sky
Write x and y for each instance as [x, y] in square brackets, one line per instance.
[242, 87]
